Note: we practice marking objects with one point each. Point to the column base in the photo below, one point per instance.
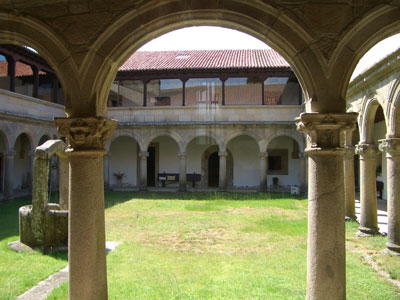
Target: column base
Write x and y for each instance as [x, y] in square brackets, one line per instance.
[351, 219]
[367, 232]
[393, 249]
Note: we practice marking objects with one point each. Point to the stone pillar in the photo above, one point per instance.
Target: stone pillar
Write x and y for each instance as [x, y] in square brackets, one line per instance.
[303, 172]
[182, 172]
[368, 201]
[222, 170]
[263, 171]
[63, 181]
[392, 148]
[106, 162]
[143, 170]
[326, 276]
[8, 175]
[349, 186]
[86, 231]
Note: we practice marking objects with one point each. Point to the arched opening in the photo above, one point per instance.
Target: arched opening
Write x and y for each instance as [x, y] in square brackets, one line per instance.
[284, 165]
[3, 150]
[43, 139]
[213, 169]
[23, 163]
[121, 169]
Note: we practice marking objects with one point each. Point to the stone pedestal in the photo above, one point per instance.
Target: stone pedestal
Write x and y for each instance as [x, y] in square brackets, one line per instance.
[222, 170]
[368, 201]
[182, 172]
[326, 229]
[86, 237]
[263, 171]
[143, 170]
[8, 175]
[349, 185]
[392, 149]
[106, 162]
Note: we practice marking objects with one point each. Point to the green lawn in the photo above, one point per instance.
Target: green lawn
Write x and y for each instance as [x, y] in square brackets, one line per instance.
[217, 246]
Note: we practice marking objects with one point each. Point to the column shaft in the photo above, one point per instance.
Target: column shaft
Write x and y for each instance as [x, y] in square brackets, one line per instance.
[86, 235]
[392, 149]
[182, 172]
[143, 171]
[222, 170]
[303, 172]
[263, 171]
[8, 176]
[349, 186]
[64, 182]
[368, 201]
[106, 161]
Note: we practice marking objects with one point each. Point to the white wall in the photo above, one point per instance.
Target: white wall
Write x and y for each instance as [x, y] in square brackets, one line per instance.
[293, 177]
[22, 164]
[123, 159]
[194, 152]
[167, 154]
[246, 162]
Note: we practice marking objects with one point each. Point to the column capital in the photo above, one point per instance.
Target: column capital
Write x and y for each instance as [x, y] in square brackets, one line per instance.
[89, 133]
[366, 149]
[143, 154]
[390, 146]
[222, 153]
[182, 155]
[302, 155]
[263, 154]
[324, 131]
[11, 153]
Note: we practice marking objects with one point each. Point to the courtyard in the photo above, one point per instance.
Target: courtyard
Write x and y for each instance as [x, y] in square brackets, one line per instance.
[202, 246]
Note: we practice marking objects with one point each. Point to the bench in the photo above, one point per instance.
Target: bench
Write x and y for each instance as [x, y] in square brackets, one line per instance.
[166, 178]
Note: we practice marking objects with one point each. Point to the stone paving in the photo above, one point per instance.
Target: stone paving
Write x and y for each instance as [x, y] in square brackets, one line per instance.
[382, 215]
[44, 288]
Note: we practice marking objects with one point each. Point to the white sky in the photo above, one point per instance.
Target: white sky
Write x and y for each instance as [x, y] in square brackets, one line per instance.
[204, 38]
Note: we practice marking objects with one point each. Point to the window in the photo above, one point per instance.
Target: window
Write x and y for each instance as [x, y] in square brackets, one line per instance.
[278, 161]
[203, 91]
[164, 92]
[243, 91]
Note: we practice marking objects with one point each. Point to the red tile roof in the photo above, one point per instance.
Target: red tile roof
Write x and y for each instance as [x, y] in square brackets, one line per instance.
[21, 69]
[204, 59]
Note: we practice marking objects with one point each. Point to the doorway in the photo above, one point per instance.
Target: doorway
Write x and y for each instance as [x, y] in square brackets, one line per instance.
[213, 170]
[151, 166]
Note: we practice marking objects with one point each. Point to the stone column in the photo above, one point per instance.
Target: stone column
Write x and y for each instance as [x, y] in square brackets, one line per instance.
[263, 171]
[86, 231]
[8, 175]
[222, 170]
[63, 181]
[368, 201]
[182, 172]
[326, 229]
[106, 162]
[392, 148]
[349, 186]
[303, 172]
[143, 170]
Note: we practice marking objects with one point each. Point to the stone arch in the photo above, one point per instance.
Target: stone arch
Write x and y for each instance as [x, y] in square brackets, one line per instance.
[289, 133]
[204, 166]
[28, 135]
[248, 133]
[282, 33]
[129, 133]
[4, 148]
[205, 133]
[369, 107]
[27, 31]
[169, 133]
[393, 128]
[380, 23]
[23, 146]
[42, 139]
[5, 139]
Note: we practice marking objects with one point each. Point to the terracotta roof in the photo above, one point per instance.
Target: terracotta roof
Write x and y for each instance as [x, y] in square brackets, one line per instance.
[204, 59]
[21, 69]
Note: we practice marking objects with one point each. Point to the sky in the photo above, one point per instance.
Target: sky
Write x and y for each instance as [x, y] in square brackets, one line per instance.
[213, 38]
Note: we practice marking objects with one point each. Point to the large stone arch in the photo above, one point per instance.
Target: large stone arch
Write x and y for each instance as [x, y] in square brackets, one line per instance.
[129, 133]
[169, 133]
[354, 42]
[263, 21]
[369, 106]
[204, 166]
[248, 133]
[28, 31]
[5, 139]
[289, 133]
[206, 133]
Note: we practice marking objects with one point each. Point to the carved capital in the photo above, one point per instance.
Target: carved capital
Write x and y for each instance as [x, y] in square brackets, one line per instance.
[85, 133]
[325, 131]
[302, 155]
[366, 149]
[144, 154]
[263, 154]
[222, 153]
[182, 155]
[390, 146]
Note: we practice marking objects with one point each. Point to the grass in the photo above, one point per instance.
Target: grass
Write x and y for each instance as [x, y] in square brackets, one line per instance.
[21, 271]
[221, 246]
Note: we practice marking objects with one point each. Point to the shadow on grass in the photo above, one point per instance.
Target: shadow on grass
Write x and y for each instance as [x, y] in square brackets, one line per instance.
[114, 198]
